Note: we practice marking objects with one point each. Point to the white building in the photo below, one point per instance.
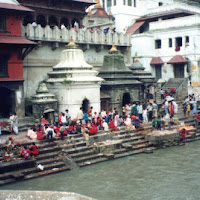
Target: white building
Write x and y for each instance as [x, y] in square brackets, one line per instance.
[165, 36]
[126, 11]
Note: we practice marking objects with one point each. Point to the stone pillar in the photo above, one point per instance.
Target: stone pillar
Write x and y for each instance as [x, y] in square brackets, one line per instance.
[19, 101]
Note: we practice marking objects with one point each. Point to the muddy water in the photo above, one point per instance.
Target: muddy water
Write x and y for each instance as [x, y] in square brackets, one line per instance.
[172, 173]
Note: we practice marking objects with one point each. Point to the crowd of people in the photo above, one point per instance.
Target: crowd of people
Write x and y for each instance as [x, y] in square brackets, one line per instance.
[89, 122]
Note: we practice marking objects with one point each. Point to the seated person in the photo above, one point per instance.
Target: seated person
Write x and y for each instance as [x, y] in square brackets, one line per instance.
[78, 128]
[93, 129]
[25, 152]
[31, 133]
[34, 149]
[10, 144]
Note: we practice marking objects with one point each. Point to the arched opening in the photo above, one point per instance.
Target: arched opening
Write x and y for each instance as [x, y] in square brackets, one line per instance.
[28, 19]
[126, 99]
[53, 21]
[75, 22]
[85, 105]
[65, 21]
[41, 20]
[7, 102]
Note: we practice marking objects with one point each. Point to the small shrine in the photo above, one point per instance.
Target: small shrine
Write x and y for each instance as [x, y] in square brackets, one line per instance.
[147, 79]
[43, 100]
[74, 82]
[120, 86]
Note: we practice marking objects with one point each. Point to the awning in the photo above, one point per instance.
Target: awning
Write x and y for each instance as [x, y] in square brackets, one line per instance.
[15, 40]
[15, 7]
[156, 61]
[177, 59]
[135, 27]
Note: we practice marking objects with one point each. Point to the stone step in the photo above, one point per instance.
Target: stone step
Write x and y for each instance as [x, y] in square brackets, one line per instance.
[49, 161]
[131, 139]
[87, 158]
[93, 161]
[76, 150]
[7, 181]
[50, 171]
[129, 153]
[46, 156]
[126, 135]
[49, 149]
[82, 153]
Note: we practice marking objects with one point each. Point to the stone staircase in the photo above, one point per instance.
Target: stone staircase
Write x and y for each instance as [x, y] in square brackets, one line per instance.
[72, 153]
[48, 157]
[175, 83]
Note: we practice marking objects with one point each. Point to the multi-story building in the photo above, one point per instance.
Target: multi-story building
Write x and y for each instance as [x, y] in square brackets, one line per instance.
[164, 36]
[13, 49]
[166, 41]
[51, 38]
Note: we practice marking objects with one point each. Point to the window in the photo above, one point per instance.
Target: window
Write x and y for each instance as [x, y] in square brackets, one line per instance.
[2, 24]
[160, 3]
[103, 4]
[134, 3]
[3, 66]
[157, 44]
[179, 42]
[108, 3]
[129, 2]
[115, 2]
[187, 41]
[124, 2]
[170, 42]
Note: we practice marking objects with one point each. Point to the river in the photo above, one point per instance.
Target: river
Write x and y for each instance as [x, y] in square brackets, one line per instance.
[172, 173]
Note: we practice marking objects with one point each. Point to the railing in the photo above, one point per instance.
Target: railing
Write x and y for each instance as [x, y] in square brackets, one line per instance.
[81, 36]
[182, 90]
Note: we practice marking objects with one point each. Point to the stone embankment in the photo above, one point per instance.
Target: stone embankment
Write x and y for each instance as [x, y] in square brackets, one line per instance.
[73, 152]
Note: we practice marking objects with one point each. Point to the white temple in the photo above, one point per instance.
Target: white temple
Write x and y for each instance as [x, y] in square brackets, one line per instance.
[74, 82]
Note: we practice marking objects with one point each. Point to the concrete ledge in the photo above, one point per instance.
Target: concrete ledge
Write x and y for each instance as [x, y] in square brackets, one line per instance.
[38, 195]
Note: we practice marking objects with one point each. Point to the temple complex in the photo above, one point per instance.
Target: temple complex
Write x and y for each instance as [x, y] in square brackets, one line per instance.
[120, 87]
[74, 82]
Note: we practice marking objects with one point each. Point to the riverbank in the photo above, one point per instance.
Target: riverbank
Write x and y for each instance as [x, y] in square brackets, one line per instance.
[73, 152]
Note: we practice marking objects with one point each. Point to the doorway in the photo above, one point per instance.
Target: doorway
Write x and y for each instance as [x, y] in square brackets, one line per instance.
[7, 102]
[126, 99]
[85, 105]
[179, 70]
[158, 71]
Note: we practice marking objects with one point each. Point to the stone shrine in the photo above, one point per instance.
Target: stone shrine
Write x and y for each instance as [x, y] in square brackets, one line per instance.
[120, 86]
[43, 100]
[74, 82]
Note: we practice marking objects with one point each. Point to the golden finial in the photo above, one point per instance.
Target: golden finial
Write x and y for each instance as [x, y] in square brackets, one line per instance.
[98, 4]
[71, 43]
[89, 12]
[113, 49]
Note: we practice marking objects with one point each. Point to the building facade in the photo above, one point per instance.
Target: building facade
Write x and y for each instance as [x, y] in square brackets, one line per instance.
[13, 49]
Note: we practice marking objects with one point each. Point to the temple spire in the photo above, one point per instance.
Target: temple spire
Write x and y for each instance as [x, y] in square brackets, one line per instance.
[71, 44]
[113, 50]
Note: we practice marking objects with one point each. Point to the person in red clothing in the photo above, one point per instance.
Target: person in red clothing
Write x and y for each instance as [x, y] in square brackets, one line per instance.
[183, 134]
[40, 132]
[26, 153]
[34, 149]
[59, 118]
[93, 129]
[111, 124]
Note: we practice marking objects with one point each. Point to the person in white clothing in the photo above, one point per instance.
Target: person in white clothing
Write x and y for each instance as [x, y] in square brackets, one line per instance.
[105, 126]
[144, 115]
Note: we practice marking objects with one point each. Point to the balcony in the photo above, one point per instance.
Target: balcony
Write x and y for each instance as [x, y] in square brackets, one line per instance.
[81, 36]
